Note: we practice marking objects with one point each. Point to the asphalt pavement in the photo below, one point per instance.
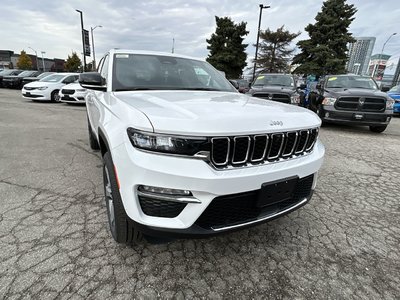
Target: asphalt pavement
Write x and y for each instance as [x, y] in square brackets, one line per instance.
[55, 242]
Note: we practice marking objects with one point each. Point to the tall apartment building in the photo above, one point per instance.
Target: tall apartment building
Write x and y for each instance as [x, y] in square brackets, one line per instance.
[359, 55]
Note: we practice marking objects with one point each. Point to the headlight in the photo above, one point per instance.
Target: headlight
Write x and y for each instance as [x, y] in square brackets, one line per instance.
[81, 90]
[182, 145]
[390, 103]
[42, 88]
[295, 99]
[329, 101]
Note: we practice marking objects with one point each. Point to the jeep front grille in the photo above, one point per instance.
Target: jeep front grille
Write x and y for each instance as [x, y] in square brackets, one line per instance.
[253, 149]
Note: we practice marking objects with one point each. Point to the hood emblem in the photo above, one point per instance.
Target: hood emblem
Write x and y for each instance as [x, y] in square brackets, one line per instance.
[362, 100]
[269, 97]
[276, 123]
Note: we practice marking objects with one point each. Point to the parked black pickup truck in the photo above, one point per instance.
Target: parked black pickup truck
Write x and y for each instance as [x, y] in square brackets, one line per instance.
[15, 81]
[276, 87]
[352, 99]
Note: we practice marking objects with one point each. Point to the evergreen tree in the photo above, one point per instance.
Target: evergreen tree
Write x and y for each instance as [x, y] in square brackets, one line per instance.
[73, 63]
[227, 51]
[24, 61]
[274, 50]
[325, 52]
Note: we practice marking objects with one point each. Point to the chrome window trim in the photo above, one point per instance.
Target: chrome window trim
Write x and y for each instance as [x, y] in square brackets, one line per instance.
[265, 148]
[227, 152]
[234, 149]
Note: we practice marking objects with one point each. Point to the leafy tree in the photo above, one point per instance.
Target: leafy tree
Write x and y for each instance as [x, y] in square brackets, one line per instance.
[325, 52]
[227, 51]
[73, 63]
[274, 50]
[24, 61]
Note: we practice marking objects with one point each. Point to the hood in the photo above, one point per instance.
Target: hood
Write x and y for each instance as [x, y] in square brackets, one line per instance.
[41, 83]
[354, 92]
[216, 113]
[272, 89]
[72, 86]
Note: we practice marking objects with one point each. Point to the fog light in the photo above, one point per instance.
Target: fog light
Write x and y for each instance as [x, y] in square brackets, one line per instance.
[327, 115]
[166, 191]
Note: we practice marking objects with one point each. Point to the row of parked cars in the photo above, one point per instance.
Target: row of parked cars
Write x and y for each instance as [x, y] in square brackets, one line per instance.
[345, 98]
[47, 86]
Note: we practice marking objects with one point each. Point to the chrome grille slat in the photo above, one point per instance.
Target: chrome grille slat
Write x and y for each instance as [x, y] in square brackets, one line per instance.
[282, 135]
[294, 144]
[237, 151]
[235, 141]
[265, 147]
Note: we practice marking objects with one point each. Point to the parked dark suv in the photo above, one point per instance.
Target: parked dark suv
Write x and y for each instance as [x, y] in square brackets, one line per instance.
[276, 87]
[352, 99]
[15, 81]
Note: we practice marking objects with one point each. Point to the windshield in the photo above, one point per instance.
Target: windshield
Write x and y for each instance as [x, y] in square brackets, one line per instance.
[349, 82]
[26, 73]
[395, 89]
[274, 79]
[7, 72]
[44, 75]
[53, 78]
[156, 72]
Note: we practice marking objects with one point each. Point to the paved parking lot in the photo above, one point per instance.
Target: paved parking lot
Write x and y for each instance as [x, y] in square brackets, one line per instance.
[55, 242]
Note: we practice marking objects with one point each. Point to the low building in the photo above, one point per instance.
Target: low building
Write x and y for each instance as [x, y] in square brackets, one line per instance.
[9, 60]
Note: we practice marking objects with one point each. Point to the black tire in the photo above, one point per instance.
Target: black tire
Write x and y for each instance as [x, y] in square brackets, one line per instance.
[94, 144]
[121, 226]
[54, 96]
[378, 129]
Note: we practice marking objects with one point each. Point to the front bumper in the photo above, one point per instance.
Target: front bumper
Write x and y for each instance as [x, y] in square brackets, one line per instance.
[36, 94]
[136, 168]
[11, 83]
[330, 114]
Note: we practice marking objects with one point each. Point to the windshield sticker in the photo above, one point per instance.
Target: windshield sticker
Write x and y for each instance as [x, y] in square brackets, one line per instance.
[122, 55]
[332, 78]
[260, 77]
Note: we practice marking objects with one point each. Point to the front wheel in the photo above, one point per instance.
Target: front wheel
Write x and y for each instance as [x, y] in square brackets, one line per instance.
[378, 129]
[55, 97]
[121, 226]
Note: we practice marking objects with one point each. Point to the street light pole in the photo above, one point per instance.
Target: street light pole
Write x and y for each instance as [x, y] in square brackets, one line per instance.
[380, 56]
[94, 56]
[37, 65]
[258, 38]
[44, 68]
[83, 40]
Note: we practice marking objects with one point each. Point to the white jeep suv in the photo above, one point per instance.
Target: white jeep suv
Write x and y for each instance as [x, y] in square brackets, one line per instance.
[185, 154]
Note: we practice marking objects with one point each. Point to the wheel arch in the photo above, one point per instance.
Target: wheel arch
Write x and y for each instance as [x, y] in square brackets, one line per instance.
[103, 142]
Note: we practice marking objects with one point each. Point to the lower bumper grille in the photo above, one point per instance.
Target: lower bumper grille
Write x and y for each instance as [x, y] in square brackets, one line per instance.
[160, 208]
[241, 208]
[67, 91]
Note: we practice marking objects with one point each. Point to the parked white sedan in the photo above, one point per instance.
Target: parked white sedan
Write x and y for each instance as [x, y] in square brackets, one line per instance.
[73, 93]
[48, 87]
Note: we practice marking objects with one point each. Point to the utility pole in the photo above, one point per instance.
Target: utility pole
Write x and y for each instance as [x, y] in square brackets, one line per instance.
[44, 68]
[380, 56]
[37, 65]
[94, 56]
[258, 38]
[83, 40]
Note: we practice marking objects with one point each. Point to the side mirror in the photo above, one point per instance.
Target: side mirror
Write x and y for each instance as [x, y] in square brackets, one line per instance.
[385, 88]
[318, 86]
[92, 81]
[234, 83]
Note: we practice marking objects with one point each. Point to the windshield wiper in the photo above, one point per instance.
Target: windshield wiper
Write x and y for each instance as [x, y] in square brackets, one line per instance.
[134, 89]
[199, 89]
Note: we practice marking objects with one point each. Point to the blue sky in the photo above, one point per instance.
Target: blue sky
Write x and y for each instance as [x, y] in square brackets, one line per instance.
[54, 26]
